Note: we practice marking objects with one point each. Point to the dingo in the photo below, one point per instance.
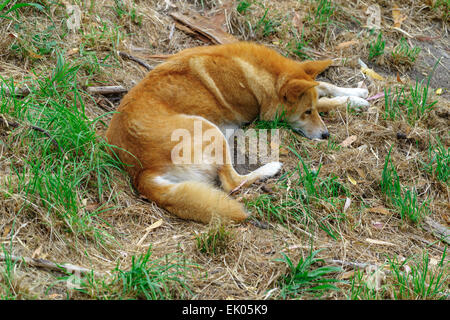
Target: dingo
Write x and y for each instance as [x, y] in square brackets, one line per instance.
[223, 87]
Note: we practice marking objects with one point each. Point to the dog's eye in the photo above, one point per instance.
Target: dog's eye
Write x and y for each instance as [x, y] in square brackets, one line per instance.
[308, 112]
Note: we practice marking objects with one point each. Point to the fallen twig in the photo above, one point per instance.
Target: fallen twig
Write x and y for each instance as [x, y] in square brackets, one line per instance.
[437, 230]
[24, 91]
[49, 265]
[45, 132]
[351, 264]
[106, 90]
[137, 60]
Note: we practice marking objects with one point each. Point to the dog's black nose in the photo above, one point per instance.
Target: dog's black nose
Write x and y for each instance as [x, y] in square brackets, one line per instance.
[325, 135]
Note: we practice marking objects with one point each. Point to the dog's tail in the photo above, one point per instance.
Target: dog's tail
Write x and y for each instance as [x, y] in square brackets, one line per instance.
[193, 200]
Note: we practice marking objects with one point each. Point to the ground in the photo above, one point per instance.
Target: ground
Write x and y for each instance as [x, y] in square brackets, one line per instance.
[344, 220]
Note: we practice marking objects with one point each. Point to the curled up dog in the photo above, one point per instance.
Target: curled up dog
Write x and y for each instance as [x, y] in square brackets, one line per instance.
[208, 91]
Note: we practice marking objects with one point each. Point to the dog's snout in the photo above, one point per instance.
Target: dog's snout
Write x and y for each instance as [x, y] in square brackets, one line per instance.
[325, 135]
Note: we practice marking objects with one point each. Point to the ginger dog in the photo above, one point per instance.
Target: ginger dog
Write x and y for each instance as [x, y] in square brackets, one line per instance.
[222, 86]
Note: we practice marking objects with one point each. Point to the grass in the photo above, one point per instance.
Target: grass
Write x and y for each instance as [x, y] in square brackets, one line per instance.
[421, 280]
[404, 54]
[150, 279]
[376, 48]
[405, 200]
[306, 195]
[63, 198]
[405, 279]
[214, 241]
[305, 277]
[439, 162]
[65, 157]
[9, 6]
[279, 121]
[411, 103]
[243, 6]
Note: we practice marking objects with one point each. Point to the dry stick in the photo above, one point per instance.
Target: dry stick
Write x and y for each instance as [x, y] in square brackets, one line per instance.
[352, 264]
[137, 60]
[49, 265]
[203, 26]
[106, 90]
[17, 91]
[437, 230]
[45, 132]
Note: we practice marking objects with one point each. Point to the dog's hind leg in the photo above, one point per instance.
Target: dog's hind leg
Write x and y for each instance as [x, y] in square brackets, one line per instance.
[231, 179]
[192, 200]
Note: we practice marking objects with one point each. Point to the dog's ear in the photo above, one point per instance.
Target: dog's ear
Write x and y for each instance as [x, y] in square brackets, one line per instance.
[313, 68]
[292, 90]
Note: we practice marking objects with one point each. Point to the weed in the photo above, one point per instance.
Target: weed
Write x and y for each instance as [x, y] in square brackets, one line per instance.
[65, 159]
[157, 279]
[266, 25]
[403, 199]
[279, 121]
[122, 11]
[298, 47]
[413, 104]
[303, 277]
[322, 15]
[376, 48]
[243, 6]
[421, 280]
[439, 162]
[442, 6]
[403, 54]
[214, 241]
[4, 11]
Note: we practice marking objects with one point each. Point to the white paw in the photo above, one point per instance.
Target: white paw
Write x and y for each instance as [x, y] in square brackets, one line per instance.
[358, 103]
[269, 170]
[353, 92]
[360, 92]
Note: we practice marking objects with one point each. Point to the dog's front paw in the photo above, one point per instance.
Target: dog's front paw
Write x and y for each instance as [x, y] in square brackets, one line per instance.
[358, 92]
[357, 103]
[269, 170]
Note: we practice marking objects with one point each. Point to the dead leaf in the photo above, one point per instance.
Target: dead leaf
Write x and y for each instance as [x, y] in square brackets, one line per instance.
[297, 23]
[376, 96]
[379, 209]
[347, 275]
[72, 51]
[397, 16]
[150, 228]
[374, 278]
[439, 91]
[398, 78]
[369, 72]
[33, 54]
[37, 252]
[352, 181]
[219, 18]
[374, 19]
[378, 225]
[6, 230]
[203, 27]
[347, 142]
[347, 204]
[361, 173]
[346, 44]
[379, 242]
[426, 38]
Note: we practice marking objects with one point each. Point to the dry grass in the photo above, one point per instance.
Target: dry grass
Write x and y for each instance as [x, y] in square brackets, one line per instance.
[247, 266]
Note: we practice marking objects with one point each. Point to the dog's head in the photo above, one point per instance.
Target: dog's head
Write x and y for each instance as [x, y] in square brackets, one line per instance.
[299, 97]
